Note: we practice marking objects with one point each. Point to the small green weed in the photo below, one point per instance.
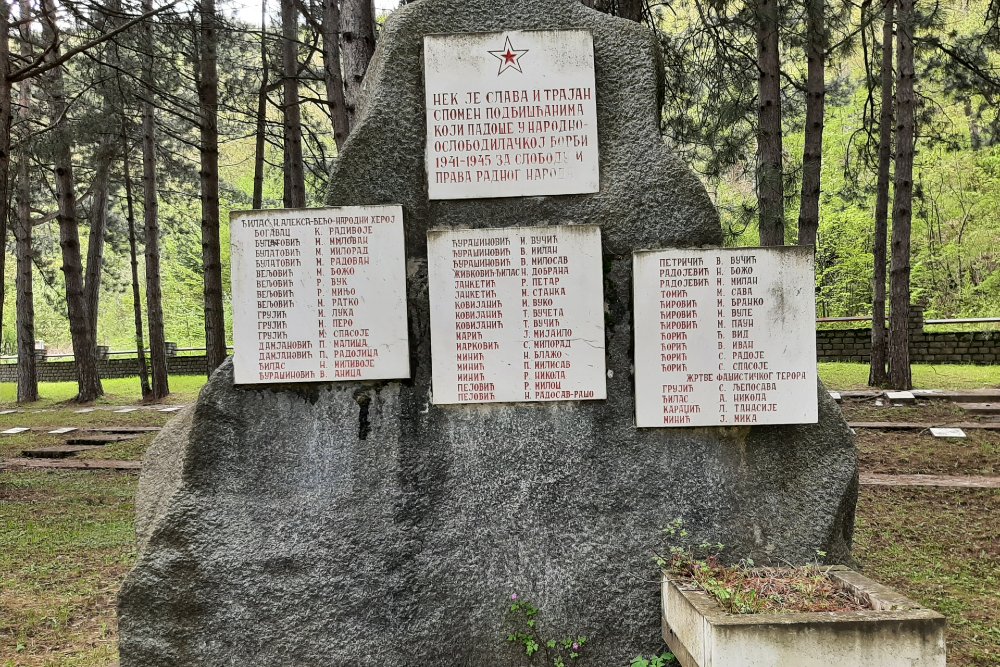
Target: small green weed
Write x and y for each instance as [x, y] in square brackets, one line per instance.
[522, 616]
[662, 660]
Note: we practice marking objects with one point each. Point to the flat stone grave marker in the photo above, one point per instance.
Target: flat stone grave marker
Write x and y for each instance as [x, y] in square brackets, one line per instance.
[516, 314]
[725, 337]
[947, 433]
[319, 295]
[7, 412]
[62, 431]
[981, 408]
[125, 411]
[836, 395]
[511, 114]
[172, 409]
[58, 451]
[84, 411]
[14, 431]
[901, 397]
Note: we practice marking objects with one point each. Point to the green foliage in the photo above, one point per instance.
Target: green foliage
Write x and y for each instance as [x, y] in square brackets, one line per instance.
[522, 618]
[744, 588]
[665, 658]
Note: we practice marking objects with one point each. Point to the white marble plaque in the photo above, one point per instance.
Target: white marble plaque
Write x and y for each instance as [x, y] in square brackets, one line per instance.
[517, 314]
[725, 337]
[947, 433]
[319, 295]
[511, 114]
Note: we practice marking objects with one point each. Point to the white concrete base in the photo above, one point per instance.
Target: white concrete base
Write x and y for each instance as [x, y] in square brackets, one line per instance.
[896, 632]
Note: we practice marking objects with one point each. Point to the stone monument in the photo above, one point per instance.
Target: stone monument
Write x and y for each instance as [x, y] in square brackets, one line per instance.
[368, 522]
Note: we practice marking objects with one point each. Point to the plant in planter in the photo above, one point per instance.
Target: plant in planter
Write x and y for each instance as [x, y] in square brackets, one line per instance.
[716, 615]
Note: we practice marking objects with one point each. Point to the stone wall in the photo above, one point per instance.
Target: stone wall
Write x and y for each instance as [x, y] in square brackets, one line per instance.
[965, 347]
[65, 371]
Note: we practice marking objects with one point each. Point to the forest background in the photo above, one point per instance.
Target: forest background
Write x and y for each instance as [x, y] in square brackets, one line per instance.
[956, 201]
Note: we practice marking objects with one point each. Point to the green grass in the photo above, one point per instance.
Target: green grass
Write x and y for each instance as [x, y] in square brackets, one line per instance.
[66, 542]
[183, 388]
[846, 376]
[939, 547]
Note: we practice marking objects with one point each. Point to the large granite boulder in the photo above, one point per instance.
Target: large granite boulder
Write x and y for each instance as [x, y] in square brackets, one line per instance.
[357, 524]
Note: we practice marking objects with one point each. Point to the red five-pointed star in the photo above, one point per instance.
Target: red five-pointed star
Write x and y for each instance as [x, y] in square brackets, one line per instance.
[508, 57]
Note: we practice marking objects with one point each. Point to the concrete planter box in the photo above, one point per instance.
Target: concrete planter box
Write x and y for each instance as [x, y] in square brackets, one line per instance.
[896, 632]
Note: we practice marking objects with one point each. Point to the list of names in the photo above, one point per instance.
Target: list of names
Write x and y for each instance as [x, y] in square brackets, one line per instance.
[319, 295]
[511, 114]
[517, 314]
[725, 337]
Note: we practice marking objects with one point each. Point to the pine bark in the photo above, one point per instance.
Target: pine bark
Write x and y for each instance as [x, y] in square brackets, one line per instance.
[261, 138]
[294, 172]
[208, 99]
[84, 349]
[812, 155]
[160, 386]
[332, 75]
[899, 272]
[27, 372]
[104, 157]
[6, 106]
[770, 181]
[140, 344]
[357, 36]
[878, 377]
[98, 230]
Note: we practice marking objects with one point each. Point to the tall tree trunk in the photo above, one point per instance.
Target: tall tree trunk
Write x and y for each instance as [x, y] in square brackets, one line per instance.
[98, 230]
[102, 176]
[770, 181]
[357, 35]
[631, 9]
[880, 350]
[140, 343]
[812, 155]
[208, 99]
[332, 76]
[27, 373]
[261, 144]
[6, 104]
[151, 218]
[899, 272]
[84, 349]
[295, 186]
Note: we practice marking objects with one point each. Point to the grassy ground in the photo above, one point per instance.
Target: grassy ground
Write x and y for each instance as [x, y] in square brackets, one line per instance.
[955, 376]
[66, 538]
[917, 452]
[125, 391]
[942, 548]
[66, 542]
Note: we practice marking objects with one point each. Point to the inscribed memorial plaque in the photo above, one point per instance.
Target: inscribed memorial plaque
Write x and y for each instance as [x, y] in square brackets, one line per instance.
[517, 314]
[319, 295]
[725, 337]
[511, 114]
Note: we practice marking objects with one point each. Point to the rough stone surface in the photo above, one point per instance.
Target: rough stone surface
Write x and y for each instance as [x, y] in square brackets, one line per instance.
[356, 524]
[161, 474]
